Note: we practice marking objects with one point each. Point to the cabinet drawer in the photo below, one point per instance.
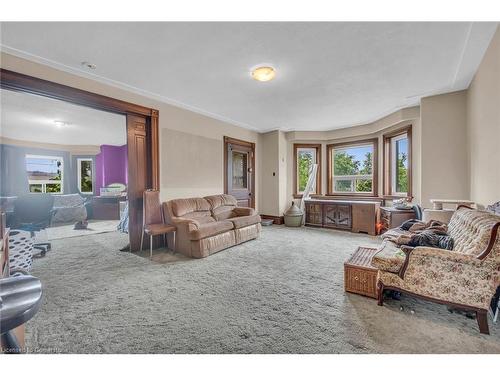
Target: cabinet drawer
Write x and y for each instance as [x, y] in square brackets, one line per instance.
[360, 281]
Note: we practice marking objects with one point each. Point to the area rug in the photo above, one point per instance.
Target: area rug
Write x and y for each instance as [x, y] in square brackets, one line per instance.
[281, 293]
[94, 227]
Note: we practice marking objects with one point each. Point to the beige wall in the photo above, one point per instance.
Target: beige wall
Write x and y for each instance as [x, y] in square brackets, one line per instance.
[444, 147]
[483, 127]
[284, 176]
[273, 173]
[194, 132]
[269, 174]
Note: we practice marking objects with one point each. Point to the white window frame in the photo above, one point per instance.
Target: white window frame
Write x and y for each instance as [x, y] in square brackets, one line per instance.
[79, 178]
[315, 161]
[352, 178]
[394, 163]
[45, 182]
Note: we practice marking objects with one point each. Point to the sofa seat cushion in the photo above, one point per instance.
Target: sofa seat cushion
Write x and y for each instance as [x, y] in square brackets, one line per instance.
[201, 219]
[389, 258]
[244, 221]
[222, 206]
[210, 229]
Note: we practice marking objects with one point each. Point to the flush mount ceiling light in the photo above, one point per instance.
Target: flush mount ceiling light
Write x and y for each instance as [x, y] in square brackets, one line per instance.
[88, 65]
[60, 124]
[263, 73]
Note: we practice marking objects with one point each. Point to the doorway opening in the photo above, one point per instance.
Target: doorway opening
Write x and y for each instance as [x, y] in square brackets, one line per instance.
[64, 168]
[239, 171]
[139, 144]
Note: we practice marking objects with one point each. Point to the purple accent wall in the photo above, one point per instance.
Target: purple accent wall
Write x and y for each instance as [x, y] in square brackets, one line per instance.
[111, 165]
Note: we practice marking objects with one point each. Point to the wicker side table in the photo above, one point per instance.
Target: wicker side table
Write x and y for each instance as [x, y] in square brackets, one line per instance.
[360, 276]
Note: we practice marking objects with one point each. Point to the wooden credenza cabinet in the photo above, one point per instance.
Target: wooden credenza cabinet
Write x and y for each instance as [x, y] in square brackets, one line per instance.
[337, 215]
[314, 214]
[356, 216]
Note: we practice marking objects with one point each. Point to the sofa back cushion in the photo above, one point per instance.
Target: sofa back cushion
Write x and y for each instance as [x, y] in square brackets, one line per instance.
[222, 206]
[190, 208]
[471, 230]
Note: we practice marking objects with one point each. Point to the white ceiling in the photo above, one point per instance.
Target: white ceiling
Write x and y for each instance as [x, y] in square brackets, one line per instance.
[31, 118]
[329, 75]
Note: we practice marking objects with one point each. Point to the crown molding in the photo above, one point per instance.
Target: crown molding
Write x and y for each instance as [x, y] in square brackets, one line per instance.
[123, 86]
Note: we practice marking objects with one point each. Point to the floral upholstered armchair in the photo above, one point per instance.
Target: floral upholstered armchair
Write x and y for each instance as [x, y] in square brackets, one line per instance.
[465, 277]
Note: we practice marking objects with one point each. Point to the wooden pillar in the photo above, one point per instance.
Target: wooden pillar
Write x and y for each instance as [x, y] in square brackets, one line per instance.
[137, 175]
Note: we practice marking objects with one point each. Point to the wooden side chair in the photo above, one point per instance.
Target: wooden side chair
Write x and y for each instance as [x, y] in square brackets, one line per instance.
[153, 222]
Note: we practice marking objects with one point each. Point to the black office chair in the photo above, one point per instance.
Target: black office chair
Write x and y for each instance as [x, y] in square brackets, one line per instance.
[20, 299]
[32, 213]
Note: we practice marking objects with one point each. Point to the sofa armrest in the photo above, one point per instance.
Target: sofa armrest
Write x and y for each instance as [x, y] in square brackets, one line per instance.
[190, 224]
[244, 211]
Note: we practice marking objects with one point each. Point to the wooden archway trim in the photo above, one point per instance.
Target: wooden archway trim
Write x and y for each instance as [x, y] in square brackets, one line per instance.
[22, 82]
[147, 133]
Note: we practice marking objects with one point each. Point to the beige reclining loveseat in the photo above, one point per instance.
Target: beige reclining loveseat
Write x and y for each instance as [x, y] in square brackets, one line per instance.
[210, 224]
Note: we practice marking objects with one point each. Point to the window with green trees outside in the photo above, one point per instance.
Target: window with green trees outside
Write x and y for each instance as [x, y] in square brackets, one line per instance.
[352, 168]
[399, 165]
[305, 156]
[85, 175]
[397, 162]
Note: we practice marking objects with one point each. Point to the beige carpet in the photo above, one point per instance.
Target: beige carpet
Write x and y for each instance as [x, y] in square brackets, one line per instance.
[94, 227]
[281, 293]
